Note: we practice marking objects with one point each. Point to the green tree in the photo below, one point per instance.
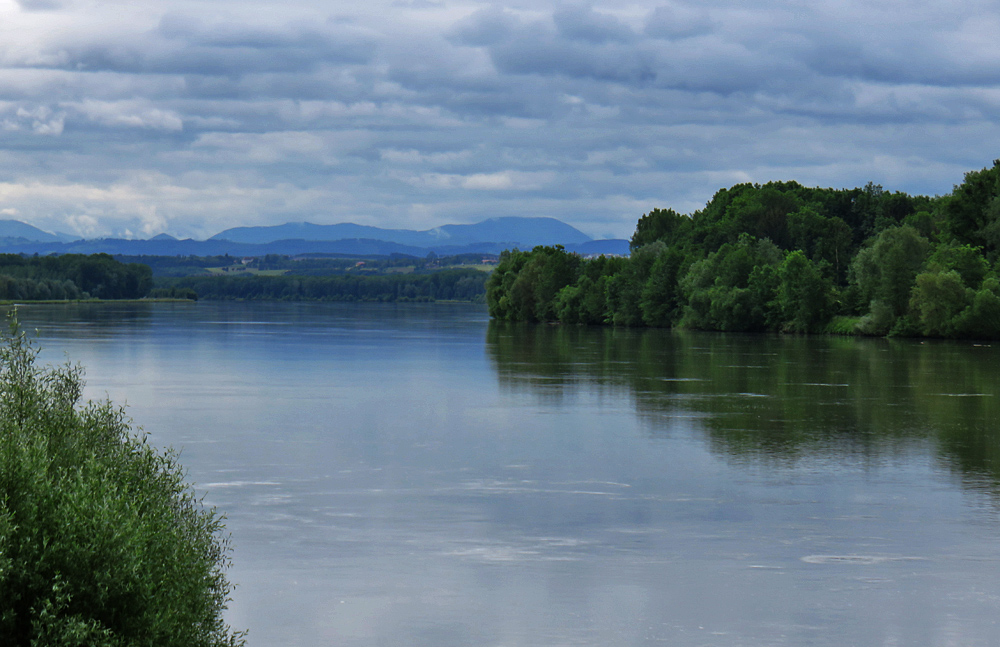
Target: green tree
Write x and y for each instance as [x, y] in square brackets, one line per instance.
[102, 543]
[822, 238]
[525, 285]
[660, 301]
[964, 259]
[937, 298]
[665, 225]
[981, 319]
[733, 289]
[884, 274]
[763, 213]
[624, 289]
[972, 214]
[805, 296]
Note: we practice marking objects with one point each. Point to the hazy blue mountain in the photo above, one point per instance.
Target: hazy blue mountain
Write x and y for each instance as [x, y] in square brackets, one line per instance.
[511, 232]
[487, 237]
[14, 229]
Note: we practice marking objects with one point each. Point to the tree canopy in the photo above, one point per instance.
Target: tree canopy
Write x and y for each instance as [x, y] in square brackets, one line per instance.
[72, 276]
[787, 258]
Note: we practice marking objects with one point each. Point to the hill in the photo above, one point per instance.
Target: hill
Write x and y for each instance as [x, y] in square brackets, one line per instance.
[512, 231]
[490, 236]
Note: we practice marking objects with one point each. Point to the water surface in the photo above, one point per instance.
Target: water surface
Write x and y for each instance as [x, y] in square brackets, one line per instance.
[412, 474]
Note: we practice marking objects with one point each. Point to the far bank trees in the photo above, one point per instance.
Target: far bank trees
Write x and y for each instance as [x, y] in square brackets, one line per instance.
[783, 257]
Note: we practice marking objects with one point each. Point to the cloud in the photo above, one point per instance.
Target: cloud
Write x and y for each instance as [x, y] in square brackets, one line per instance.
[484, 27]
[499, 181]
[196, 119]
[130, 114]
[583, 23]
[676, 21]
[184, 44]
[39, 5]
[41, 120]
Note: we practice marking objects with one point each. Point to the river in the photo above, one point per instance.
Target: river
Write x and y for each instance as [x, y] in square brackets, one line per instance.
[413, 474]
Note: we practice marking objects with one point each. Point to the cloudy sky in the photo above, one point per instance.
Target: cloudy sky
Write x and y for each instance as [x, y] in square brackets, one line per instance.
[136, 118]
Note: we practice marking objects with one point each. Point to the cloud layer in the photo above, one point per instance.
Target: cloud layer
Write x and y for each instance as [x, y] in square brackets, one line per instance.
[182, 117]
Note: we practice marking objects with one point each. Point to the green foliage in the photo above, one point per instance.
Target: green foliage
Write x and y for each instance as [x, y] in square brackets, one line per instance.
[661, 299]
[624, 289]
[782, 257]
[732, 289]
[938, 298]
[310, 265]
[884, 274]
[458, 285]
[586, 302]
[763, 213]
[842, 326]
[665, 225]
[968, 261]
[102, 543]
[981, 319]
[72, 276]
[821, 238]
[18, 289]
[525, 285]
[973, 212]
[501, 281]
[173, 292]
[805, 296]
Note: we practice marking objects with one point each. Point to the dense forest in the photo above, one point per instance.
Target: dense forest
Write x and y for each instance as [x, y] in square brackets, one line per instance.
[786, 258]
[311, 265]
[443, 285]
[71, 276]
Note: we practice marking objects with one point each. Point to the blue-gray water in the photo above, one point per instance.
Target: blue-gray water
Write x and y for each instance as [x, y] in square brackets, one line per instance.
[414, 475]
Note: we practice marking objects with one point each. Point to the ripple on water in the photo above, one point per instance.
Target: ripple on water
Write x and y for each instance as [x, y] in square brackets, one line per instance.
[861, 560]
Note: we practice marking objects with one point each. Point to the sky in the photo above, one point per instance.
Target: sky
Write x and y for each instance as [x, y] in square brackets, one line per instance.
[131, 119]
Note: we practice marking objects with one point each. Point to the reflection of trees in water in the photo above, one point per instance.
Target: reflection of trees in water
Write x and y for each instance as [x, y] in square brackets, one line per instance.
[89, 319]
[770, 397]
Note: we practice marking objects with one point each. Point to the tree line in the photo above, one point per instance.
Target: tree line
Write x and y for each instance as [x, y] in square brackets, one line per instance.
[444, 285]
[785, 258]
[71, 276]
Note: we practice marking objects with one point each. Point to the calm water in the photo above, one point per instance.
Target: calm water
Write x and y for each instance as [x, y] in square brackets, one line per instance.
[414, 475]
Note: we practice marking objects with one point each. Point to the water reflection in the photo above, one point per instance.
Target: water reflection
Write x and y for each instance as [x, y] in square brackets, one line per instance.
[776, 398]
[407, 474]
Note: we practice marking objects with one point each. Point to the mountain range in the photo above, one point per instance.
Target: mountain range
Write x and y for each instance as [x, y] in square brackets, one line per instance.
[297, 238]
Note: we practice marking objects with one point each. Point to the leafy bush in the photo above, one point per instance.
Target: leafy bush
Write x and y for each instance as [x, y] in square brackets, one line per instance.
[102, 543]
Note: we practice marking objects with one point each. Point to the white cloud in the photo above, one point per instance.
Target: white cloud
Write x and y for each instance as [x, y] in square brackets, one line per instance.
[488, 181]
[130, 114]
[159, 116]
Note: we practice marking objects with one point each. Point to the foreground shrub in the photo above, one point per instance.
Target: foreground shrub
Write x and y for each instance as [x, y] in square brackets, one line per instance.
[102, 543]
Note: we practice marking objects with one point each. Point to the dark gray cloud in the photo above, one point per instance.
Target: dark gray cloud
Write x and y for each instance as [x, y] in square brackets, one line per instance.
[184, 44]
[412, 114]
[677, 22]
[484, 27]
[583, 23]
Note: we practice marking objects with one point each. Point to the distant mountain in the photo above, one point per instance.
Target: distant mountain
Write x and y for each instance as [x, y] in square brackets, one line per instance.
[488, 237]
[512, 231]
[16, 229]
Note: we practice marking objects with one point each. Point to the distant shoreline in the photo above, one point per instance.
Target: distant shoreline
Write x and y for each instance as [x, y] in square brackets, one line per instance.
[7, 302]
